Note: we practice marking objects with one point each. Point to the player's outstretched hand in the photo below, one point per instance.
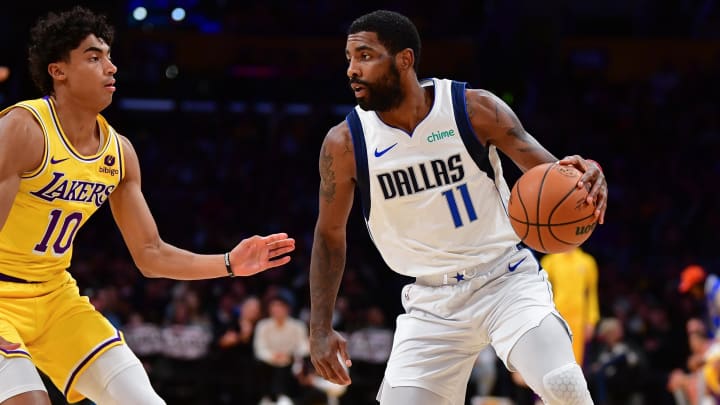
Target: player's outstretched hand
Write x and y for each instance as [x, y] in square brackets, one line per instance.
[594, 179]
[326, 352]
[259, 253]
[5, 345]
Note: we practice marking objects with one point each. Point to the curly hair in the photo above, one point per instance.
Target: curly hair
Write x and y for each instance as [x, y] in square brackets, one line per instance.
[395, 31]
[54, 36]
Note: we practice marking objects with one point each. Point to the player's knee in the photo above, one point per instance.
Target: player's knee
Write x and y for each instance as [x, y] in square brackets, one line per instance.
[131, 386]
[566, 386]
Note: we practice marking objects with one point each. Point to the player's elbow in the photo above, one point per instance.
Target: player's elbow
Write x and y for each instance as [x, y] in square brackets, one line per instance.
[146, 265]
[146, 270]
[150, 257]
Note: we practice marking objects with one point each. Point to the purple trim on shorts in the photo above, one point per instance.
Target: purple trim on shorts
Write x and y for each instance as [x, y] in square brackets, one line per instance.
[9, 352]
[89, 357]
[11, 279]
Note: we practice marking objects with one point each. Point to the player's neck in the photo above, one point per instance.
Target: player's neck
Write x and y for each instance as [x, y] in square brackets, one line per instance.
[78, 122]
[414, 107]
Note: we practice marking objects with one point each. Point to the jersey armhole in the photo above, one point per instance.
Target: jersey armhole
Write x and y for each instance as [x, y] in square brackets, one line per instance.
[121, 155]
[478, 152]
[361, 160]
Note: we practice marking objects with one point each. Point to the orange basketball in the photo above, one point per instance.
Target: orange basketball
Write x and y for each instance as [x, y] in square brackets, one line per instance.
[547, 210]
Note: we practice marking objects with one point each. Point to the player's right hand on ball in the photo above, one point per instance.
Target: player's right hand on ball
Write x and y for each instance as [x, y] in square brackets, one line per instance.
[327, 349]
[5, 345]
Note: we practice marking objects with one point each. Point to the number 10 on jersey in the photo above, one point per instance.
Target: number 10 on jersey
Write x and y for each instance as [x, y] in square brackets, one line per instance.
[65, 237]
[453, 204]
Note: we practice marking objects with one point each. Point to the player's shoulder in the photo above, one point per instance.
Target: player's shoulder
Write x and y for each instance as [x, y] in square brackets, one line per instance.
[338, 138]
[339, 131]
[20, 122]
[125, 144]
[482, 96]
[17, 115]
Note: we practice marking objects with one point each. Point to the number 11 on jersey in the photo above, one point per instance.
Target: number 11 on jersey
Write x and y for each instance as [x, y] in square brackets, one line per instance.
[453, 205]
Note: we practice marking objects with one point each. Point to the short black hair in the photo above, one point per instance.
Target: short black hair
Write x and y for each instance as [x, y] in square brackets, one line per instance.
[55, 35]
[395, 31]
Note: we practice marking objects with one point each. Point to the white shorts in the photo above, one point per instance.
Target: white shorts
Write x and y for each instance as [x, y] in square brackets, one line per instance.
[445, 326]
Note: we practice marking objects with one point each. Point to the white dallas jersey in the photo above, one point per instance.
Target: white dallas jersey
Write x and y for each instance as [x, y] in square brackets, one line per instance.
[435, 200]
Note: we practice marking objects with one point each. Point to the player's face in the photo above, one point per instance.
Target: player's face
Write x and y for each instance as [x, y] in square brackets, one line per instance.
[88, 74]
[374, 78]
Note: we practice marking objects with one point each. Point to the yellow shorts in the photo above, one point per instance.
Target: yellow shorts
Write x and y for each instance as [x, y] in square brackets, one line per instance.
[58, 329]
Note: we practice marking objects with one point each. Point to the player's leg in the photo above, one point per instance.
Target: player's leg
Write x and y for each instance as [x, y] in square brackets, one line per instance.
[117, 377]
[434, 347]
[409, 395]
[20, 383]
[544, 357]
[80, 344]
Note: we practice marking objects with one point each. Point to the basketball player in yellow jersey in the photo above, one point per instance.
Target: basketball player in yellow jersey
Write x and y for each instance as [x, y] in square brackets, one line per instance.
[60, 161]
[574, 277]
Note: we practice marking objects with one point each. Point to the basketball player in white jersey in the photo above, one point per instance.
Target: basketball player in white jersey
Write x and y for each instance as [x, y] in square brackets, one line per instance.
[424, 156]
[60, 161]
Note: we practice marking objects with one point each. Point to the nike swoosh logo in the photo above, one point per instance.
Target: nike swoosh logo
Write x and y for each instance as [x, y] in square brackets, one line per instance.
[513, 266]
[379, 153]
[54, 162]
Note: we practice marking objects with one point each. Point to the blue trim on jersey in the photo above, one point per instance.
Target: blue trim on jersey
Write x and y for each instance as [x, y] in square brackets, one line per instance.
[477, 151]
[361, 163]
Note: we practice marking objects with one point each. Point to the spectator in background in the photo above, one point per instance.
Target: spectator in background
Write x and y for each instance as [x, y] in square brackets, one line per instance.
[703, 287]
[4, 73]
[574, 279]
[144, 338]
[186, 337]
[616, 367]
[242, 334]
[279, 341]
[236, 363]
[700, 385]
[369, 347]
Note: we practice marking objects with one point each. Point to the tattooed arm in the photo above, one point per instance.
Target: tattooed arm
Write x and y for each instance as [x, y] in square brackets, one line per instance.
[337, 186]
[495, 123]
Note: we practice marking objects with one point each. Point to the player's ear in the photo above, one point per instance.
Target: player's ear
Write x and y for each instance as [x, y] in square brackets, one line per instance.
[56, 71]
[405, 59]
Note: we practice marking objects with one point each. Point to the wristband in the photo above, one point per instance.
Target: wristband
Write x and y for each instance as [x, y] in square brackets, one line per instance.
[227, 265]
[596, 164]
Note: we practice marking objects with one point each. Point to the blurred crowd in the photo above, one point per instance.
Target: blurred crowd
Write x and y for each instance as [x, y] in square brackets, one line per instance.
[215, 176]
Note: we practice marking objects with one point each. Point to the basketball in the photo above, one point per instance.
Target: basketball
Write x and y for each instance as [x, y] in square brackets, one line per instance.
[547, 210]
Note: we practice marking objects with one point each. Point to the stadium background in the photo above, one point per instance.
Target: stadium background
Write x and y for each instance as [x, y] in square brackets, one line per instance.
[228, 106]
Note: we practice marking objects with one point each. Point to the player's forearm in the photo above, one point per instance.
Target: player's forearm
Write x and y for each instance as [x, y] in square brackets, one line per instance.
[167, 261]
[326, 269]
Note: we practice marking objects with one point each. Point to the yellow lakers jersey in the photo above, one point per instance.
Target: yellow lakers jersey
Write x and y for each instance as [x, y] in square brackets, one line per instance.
[57, 198]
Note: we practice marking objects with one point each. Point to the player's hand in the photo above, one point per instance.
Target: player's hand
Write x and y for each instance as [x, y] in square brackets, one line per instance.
[5, 345]
[327, 349]
[593, 180]
[259, 253]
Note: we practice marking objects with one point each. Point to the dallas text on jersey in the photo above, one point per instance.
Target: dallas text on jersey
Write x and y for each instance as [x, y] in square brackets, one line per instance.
[423, 176]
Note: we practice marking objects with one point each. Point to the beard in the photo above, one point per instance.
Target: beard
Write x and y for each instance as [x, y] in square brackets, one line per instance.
[383, 95]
